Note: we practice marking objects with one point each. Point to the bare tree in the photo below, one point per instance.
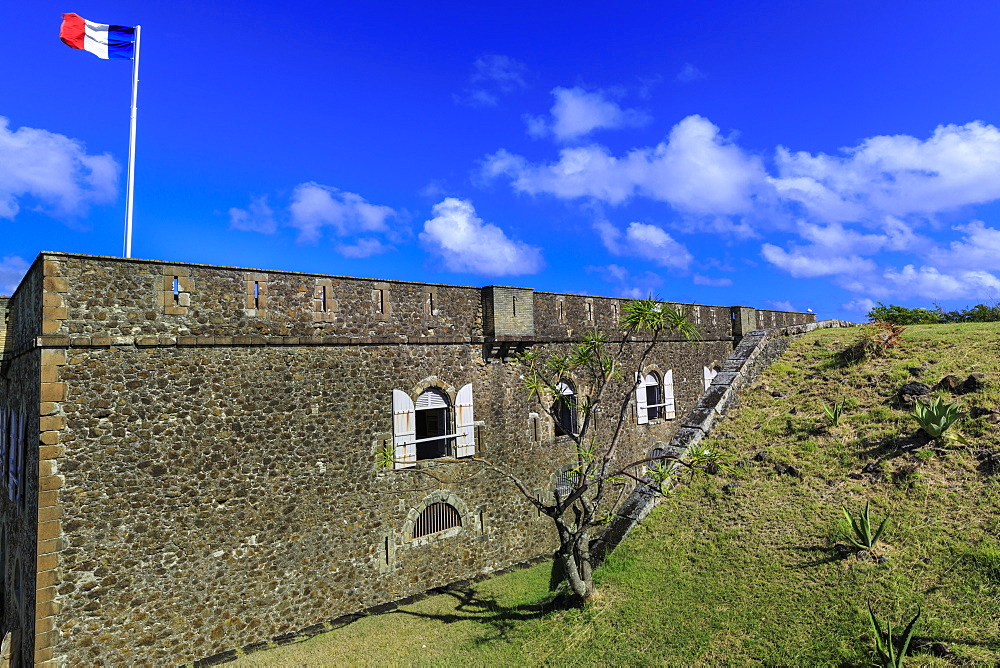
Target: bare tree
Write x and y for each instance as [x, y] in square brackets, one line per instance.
[599, 475]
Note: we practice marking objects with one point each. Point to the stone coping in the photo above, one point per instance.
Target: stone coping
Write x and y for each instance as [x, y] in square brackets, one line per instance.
[165, 341]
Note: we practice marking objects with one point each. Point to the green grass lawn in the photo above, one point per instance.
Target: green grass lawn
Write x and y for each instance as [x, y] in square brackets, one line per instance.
[750, 573]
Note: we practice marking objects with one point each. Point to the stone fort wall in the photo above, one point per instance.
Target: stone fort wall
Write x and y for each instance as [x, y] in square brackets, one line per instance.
[205, 467]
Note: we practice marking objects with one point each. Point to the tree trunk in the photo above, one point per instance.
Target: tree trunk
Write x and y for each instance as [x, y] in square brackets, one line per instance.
[580, 588]
[574, 558]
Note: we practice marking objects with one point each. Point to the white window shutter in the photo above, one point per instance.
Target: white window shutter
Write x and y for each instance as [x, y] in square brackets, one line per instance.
[668, 395]
[465, 425]
[641, 413]
[404, 429]
[709, 376]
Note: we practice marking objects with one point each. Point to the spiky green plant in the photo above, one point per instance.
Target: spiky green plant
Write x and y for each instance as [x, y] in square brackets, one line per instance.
[864, 538]
[385, 457]
[936, 417]
[886, 651]
[835, 411]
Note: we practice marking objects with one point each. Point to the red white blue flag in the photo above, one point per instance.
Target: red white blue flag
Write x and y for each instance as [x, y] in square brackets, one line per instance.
[104, 41]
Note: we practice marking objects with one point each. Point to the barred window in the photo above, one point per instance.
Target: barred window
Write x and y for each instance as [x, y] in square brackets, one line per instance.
[436, 518]
[564, 409]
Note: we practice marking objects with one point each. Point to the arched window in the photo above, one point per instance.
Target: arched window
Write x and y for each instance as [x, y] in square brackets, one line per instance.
[653, 390]
[432, 419]
[423, 429]
[435, 518]
[654, 399]
[566, 481]
[564, 409]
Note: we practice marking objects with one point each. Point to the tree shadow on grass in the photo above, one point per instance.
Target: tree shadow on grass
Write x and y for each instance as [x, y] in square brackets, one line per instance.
[891, 447]
[831, 555]
[846, 357]
[486, 611]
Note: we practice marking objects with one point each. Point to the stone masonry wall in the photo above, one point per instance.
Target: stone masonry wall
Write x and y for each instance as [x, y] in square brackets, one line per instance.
[21, 559]
[208, 438]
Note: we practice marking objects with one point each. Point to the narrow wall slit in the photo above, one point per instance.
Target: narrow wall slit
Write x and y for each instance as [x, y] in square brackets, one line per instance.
[256, 294]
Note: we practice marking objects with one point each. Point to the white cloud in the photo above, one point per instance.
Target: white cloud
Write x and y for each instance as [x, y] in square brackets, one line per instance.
[836, 239]
[855, 217]
[258, 217]
[695, 170]
[626, 283]
[979, 249]
[897, 175]
[365, 247]
[813, 261]
[12, 270]
[930, 283]
[712, 282]
[577, 112]
[646, 241]
[467, 244]
[689, 73]
[779, 304]
[45, 170]
[316, 206]
[859, 305]
[882, 179]
[493, 75]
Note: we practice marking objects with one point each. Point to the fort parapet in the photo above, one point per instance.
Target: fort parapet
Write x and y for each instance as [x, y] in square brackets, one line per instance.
[190, 454]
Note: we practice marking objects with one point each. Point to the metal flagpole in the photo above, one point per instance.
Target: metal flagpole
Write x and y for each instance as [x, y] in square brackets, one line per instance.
[130, 188]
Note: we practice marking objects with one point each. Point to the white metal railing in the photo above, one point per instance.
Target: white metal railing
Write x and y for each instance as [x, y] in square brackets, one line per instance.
[430, 438]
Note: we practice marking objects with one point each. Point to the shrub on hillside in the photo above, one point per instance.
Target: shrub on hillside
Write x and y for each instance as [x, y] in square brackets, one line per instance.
[900, 315]
[878, 337]
[978, 313]
[873, 341]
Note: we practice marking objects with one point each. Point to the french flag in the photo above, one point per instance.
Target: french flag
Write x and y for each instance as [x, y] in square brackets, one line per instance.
[104, 41]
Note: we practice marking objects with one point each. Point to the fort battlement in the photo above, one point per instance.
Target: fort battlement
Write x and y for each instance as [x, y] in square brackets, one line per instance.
[146, 302]
[191, 453]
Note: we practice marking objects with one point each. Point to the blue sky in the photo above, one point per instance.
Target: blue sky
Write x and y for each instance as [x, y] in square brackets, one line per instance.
[819, 155]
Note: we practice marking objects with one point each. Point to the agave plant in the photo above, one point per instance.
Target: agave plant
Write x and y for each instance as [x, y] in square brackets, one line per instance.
[885, 648]
[935, 417]
[835, 411]
[864, 537]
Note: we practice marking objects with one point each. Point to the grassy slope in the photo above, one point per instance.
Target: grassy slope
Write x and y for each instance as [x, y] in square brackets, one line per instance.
[751, 575]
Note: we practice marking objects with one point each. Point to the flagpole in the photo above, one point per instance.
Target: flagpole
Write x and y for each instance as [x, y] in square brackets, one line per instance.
[130, 188]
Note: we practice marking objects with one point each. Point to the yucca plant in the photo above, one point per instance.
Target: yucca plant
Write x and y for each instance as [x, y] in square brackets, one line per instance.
[864, 538]
[886, 650]
[936, 417]
[385, 456]
[835, 411]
